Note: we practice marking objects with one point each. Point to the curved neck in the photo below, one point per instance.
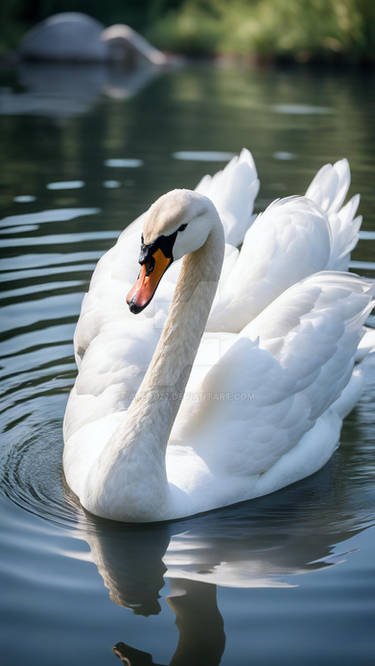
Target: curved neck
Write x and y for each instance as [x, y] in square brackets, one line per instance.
[135, 454]
[166, 377]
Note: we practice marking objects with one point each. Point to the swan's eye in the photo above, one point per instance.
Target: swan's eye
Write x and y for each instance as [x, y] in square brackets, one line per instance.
[182, 227]
[150, 264]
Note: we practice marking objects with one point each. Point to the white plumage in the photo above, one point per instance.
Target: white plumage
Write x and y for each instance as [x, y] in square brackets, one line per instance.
[273, 375]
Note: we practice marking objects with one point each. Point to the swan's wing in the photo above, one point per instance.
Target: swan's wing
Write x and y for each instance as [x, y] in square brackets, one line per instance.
[113, 347]
[111, 369]
[278, 251]
[279, 376]
[328, 190]
[233, 191]
[289, 241]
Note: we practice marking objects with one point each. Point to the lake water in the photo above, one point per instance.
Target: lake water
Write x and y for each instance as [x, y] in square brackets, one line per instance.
[288, 579]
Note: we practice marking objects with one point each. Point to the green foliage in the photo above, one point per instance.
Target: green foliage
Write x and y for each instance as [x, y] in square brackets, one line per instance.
[192, 29]
[294, 29]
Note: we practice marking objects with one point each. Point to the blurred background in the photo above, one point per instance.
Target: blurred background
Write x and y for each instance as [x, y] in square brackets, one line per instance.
[312, 30]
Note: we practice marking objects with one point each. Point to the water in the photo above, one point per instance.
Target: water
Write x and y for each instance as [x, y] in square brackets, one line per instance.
[287, 579]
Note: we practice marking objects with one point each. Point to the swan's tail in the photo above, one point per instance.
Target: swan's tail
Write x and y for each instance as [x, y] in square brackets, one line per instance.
[330, 185]
[328, 190]
[233, 191]
[345, 231]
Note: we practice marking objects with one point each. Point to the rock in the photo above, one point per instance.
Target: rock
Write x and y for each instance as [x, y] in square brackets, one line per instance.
[75, 37]
[69, 36]
[125, 44]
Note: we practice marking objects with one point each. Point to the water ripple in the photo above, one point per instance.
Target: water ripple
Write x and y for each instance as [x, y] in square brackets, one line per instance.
[43, 278]
[54, 215]
[66, 185]
[25, 481]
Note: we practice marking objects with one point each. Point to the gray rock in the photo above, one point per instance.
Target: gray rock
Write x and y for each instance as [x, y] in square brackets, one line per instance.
[69, 36]
[125, 44]
[75, 37]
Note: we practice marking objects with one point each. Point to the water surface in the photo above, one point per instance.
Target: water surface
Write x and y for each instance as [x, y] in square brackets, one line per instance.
[286, 579]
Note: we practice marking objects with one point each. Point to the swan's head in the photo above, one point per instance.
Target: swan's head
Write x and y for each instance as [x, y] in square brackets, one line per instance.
[176, 224]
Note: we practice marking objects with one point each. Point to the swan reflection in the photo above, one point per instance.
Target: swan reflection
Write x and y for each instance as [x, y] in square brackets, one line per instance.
[67, 90]
[268, 542]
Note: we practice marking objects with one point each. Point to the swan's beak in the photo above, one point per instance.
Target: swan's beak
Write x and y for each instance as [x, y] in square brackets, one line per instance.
[141, 294]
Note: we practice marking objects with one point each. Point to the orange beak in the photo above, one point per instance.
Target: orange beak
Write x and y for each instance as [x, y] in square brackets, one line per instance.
[141, 294]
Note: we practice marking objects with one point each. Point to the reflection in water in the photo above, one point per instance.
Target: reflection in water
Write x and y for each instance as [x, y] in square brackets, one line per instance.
[203, 155]
[66, 185]
[67, 90]
[132, 569]
[263, 543]
[24, 198]
[130, 163]
[201, 628]
[301, 109]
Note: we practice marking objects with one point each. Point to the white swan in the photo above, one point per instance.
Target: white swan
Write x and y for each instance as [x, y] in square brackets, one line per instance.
[266, 413]
[292, 239]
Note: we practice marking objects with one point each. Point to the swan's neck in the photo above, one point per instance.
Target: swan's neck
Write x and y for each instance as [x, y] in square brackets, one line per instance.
[169, 370]
[134, 458]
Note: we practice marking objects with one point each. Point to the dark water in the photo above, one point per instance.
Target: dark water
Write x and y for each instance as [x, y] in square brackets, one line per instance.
[287, 579]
